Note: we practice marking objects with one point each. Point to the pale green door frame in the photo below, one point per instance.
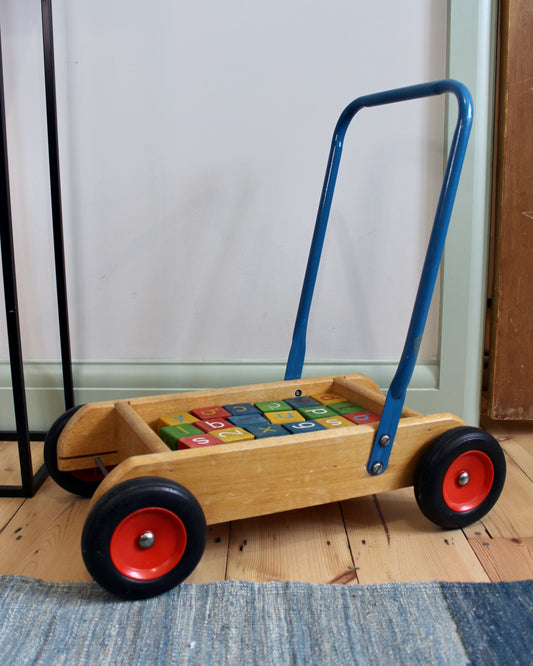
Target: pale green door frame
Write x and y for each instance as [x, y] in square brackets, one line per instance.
[471, 59]
[452, 384]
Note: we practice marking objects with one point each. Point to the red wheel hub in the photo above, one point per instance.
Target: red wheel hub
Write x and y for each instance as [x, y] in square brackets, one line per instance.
[468, 481]
[148, 543]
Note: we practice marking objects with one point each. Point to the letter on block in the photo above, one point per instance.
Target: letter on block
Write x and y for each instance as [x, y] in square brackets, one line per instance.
[172, 434]
[198, 441]
[212, 424]
[344, 408]
[363, 417]
[328, 398]
[303, 426]
[280, 406]
[203, 413]
[335, 422]
[241, 409]
[284, 417]
[232, 435]
[175, 419]
[267, 430]
[320, 412]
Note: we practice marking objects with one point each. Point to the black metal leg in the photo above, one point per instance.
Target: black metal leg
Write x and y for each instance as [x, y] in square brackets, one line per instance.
[55, 191]
[13, 327]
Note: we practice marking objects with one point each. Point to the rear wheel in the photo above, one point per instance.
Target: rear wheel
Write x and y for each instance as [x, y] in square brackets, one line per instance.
[143, 537]
[80, 482]
[460, 477]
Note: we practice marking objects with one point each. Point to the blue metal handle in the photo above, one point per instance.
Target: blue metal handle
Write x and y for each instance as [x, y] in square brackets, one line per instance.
[396, 395]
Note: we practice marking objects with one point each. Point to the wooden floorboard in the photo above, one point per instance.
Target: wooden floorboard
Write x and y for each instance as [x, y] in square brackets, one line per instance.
[366, 540]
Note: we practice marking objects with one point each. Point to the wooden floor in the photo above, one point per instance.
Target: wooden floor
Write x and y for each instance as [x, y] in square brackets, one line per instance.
[368, 540]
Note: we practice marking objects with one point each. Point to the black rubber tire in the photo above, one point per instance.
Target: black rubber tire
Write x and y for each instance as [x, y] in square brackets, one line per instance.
[66, 480]
[435, 463]
[119, 503]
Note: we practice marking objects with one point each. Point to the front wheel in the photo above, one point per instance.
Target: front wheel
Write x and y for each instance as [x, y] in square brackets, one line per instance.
[460, 477]
[143, 537]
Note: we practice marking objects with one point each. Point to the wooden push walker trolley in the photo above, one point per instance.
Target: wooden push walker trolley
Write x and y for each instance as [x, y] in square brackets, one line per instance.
[159, 469]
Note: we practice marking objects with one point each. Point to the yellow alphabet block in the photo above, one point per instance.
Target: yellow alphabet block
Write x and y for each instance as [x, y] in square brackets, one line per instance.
[334, 422]
[232, 435]
[175, 419]
[328, 398]
[284, 417]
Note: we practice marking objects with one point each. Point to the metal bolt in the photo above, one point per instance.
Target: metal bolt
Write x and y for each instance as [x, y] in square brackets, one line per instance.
[384, 440]
[146, 540]
[376, 468]
[463, 478]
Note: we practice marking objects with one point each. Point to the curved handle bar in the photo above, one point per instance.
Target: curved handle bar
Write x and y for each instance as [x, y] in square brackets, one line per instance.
[396, 394]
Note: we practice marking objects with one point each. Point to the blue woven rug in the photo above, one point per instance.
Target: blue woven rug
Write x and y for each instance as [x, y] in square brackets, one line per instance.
[269, 623]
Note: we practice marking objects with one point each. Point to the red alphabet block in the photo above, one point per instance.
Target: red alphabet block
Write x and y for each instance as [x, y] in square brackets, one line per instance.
[363, 417]
[197, 441]
[212, 424]
[205, 413]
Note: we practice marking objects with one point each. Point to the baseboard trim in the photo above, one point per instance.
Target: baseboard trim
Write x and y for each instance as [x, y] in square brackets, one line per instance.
[95, 381]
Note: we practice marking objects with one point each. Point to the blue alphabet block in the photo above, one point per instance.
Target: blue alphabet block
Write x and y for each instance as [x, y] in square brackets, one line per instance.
[241, 409]
[303, 426]
[261, 431]
[302, 401]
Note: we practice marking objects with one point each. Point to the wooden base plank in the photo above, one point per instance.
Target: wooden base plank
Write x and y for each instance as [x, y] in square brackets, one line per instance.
[43, 538]
[212, 566]
[505, 559]
[304, 545]
[512, 515]
[392, 541]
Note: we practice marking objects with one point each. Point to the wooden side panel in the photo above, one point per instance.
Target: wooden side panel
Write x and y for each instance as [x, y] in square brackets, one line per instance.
[242, 480]
[94, 429]
[511, 366]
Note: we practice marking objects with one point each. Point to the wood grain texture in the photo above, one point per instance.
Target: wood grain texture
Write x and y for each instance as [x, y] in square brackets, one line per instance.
[366, 540]
[43, 538]
[305, 545]
[243, 480]
[392, 541]
[511, 350]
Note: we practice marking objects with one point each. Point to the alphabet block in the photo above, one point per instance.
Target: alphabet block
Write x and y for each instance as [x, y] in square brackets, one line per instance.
[241, 409]
[363, 417]
[203, 413]
[302, 401]
[198, 441]
[320, 412]
[284, 417]
[259, 431]
[232, 435]
[172, 434]
[303, 426]
[335, 422]
[344, 408]
[247, 420]
[175, 419]
[328, 398]
[280, 406]
[212, 424]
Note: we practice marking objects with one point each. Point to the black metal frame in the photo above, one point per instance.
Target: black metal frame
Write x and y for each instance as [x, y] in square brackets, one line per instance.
[31, 482]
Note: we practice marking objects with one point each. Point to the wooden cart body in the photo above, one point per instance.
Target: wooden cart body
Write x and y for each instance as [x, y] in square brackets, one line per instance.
[252, 478]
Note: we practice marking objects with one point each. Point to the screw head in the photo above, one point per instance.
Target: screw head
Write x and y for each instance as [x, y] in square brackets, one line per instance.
[146, 540]
[377, 468]
[463, 478]
[384, 440]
